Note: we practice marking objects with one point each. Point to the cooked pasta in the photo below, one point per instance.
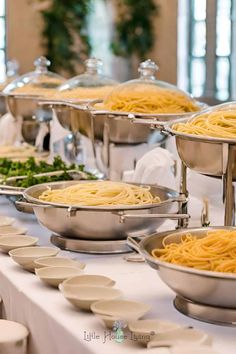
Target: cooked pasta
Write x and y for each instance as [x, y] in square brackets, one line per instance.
[84, 93]
[215, 252]
[149, 99]
[221, 124]
[104, 193]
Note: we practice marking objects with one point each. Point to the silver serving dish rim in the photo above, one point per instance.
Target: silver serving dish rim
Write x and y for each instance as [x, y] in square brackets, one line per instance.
[157, 117]
[98, 208]
[64, 101]
[23, 96]
[193, 137]
[204, 273]
[203, 138]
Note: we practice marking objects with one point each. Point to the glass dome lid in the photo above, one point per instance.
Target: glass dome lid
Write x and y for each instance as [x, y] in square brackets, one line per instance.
[147, 95]
[39, 83]
[90, 85]
[12, 68]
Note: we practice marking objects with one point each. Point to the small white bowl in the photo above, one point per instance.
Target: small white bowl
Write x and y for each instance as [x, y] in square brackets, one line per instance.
[6, 221]
[144, 330]
[8, 243]
[58, 262]
[11, 230]
[181, 336]
[88, 279]
[193, 349]
[55, 275]
[26, 256]
[121, 309]
[109, 321]
[84, 296]
[13, 334]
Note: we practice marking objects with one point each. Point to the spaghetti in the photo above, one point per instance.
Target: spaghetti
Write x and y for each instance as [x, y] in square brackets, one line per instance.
[221, 124]
[104, 193]
[149, 99]
[215, 252]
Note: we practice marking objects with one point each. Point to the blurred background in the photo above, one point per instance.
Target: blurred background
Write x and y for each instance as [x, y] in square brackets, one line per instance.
[193, 41]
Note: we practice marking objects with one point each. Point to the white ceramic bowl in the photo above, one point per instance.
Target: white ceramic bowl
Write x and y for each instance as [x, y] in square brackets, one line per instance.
[144, 330]
[121, 309]
[26, 256]
[58, 262]
[8, 243]
[6, 221]
[181, 336]
[12, 332]
[109, 321]
[84, 296]
[12, 230]
[55, 275]
[193, 349]
[88, 279]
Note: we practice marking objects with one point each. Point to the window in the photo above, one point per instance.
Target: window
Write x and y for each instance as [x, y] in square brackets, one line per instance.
[2, 41]
[206, 52]
[100, 34]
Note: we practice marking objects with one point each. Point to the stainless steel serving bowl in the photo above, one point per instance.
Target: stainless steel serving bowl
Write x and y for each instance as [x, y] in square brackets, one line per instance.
[212, 155]
[204, 287]
[128, 127]
[118, 127]
[101, 223]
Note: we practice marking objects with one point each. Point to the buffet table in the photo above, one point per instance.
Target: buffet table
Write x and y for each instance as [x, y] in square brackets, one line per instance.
[56, 327]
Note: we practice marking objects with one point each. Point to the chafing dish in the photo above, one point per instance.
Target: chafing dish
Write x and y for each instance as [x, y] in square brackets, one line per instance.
[210, 156]
[23, 93]
[197, 286]
[101, 223]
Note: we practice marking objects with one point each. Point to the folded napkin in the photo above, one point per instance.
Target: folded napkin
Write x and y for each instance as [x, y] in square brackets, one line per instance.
[57, 136]
[156, 167]
[10, 130]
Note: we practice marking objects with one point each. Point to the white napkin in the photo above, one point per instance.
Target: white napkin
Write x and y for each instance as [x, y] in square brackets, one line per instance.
[57, 135]
[10, 130]
[156, 167]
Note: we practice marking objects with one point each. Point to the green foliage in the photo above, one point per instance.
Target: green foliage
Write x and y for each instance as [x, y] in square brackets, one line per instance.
[134, 28]
[31, 167]
[65, 25]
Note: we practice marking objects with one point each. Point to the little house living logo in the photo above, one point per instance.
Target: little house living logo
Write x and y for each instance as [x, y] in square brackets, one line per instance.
[118, 327]
[117, 334]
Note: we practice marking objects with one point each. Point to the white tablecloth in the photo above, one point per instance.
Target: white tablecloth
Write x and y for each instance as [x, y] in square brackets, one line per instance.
[56, 327]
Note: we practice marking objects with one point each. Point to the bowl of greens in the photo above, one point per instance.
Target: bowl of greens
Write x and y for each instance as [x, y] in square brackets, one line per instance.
[15, 176]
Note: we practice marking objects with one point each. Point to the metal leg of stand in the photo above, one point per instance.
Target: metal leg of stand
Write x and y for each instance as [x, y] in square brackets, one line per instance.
[229, 191]
[106, 146]
[183, 207]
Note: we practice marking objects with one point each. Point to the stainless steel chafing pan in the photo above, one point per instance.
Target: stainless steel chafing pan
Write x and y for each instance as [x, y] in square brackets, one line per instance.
[198, 286]
[101, 223]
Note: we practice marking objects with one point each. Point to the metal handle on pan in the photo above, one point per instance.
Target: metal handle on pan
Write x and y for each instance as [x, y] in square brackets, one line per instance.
[133, 242]
[11, 192]
[33, 205]
[11, 188]
[152, 216]
[180, 199]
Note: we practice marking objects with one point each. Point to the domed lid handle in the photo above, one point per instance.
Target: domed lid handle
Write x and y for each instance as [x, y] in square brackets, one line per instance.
[93, 66]
[148, 69]
[41, 64]
[12, 67]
